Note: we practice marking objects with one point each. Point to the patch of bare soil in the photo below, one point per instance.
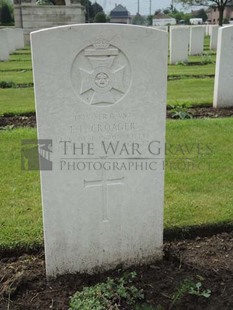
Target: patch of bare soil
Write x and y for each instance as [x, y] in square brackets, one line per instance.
[29, 120]
[206, 112]
[208, 260]
[15, 121]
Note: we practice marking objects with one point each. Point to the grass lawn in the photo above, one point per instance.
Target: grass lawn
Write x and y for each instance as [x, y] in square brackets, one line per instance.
[25, 75]
[184, 91]
[20, 57]
[207, 41]
[26, 50]
[206, 58]
[20, 212]
[199, 194]
[18, 77]
[190, 91]
[192, 196]
[14, 66]
[16, 100]
[181, 70]
[196, 195]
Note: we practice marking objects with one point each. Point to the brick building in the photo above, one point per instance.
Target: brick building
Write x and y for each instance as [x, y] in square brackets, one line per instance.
[213, 13]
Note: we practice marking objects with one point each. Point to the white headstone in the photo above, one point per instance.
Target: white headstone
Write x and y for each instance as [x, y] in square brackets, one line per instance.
[223, 90]
[179, 44]
[10, 39]
[4, 50]
[103, 105]
[19, 38]
[197, 36]
[210, 29]
[164, 28]
[214, 37]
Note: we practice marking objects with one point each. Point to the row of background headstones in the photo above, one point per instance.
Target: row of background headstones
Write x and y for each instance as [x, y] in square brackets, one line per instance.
[11, 39]
[181, 38]
[189, 40]
[184, 41]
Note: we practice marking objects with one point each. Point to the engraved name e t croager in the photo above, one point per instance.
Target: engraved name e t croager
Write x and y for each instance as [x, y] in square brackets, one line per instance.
[104, 183]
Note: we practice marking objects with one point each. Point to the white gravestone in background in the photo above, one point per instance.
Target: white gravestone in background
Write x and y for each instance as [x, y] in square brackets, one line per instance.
[4, 50]
[214, 37]
[19, 38]
[197, 36]
[164, 28]
[179, 44]
[223, 90]
[101, 97]
[210, 29]
[11, 39]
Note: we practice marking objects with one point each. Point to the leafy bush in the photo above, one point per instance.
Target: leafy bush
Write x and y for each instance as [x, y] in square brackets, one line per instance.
[6, 12]
[107, 295]
[100, 17]
[7, 84]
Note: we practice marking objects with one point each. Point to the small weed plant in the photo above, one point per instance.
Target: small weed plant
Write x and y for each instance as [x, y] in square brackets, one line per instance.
[108, 295]
[192, 288]
[195, 289]
[207, 59]
[181, 63]
[180, 112]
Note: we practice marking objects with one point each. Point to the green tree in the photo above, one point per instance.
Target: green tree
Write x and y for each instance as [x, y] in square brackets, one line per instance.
[220, 4]
[167, 11]
[178, 16]
[181, 16]
[100, 17]
[91, 9]
[186, 18]
[149, 20]
[6, 12]
[157, 12]
[138, 20]
[201, 14]
[96, 8]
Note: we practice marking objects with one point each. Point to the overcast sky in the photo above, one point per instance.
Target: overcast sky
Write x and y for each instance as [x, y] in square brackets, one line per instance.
[132, 5]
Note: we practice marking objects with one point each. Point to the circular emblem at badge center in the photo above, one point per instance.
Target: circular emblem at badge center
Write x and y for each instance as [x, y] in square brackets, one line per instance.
[102, 80]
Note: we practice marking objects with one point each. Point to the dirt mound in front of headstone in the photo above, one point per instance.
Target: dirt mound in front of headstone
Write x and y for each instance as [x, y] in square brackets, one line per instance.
[29, 120]
[10, 121]
[199, 112]
[173, 283]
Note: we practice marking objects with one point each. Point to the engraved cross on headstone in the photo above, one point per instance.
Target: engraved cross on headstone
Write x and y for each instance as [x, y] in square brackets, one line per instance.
[104, 183]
